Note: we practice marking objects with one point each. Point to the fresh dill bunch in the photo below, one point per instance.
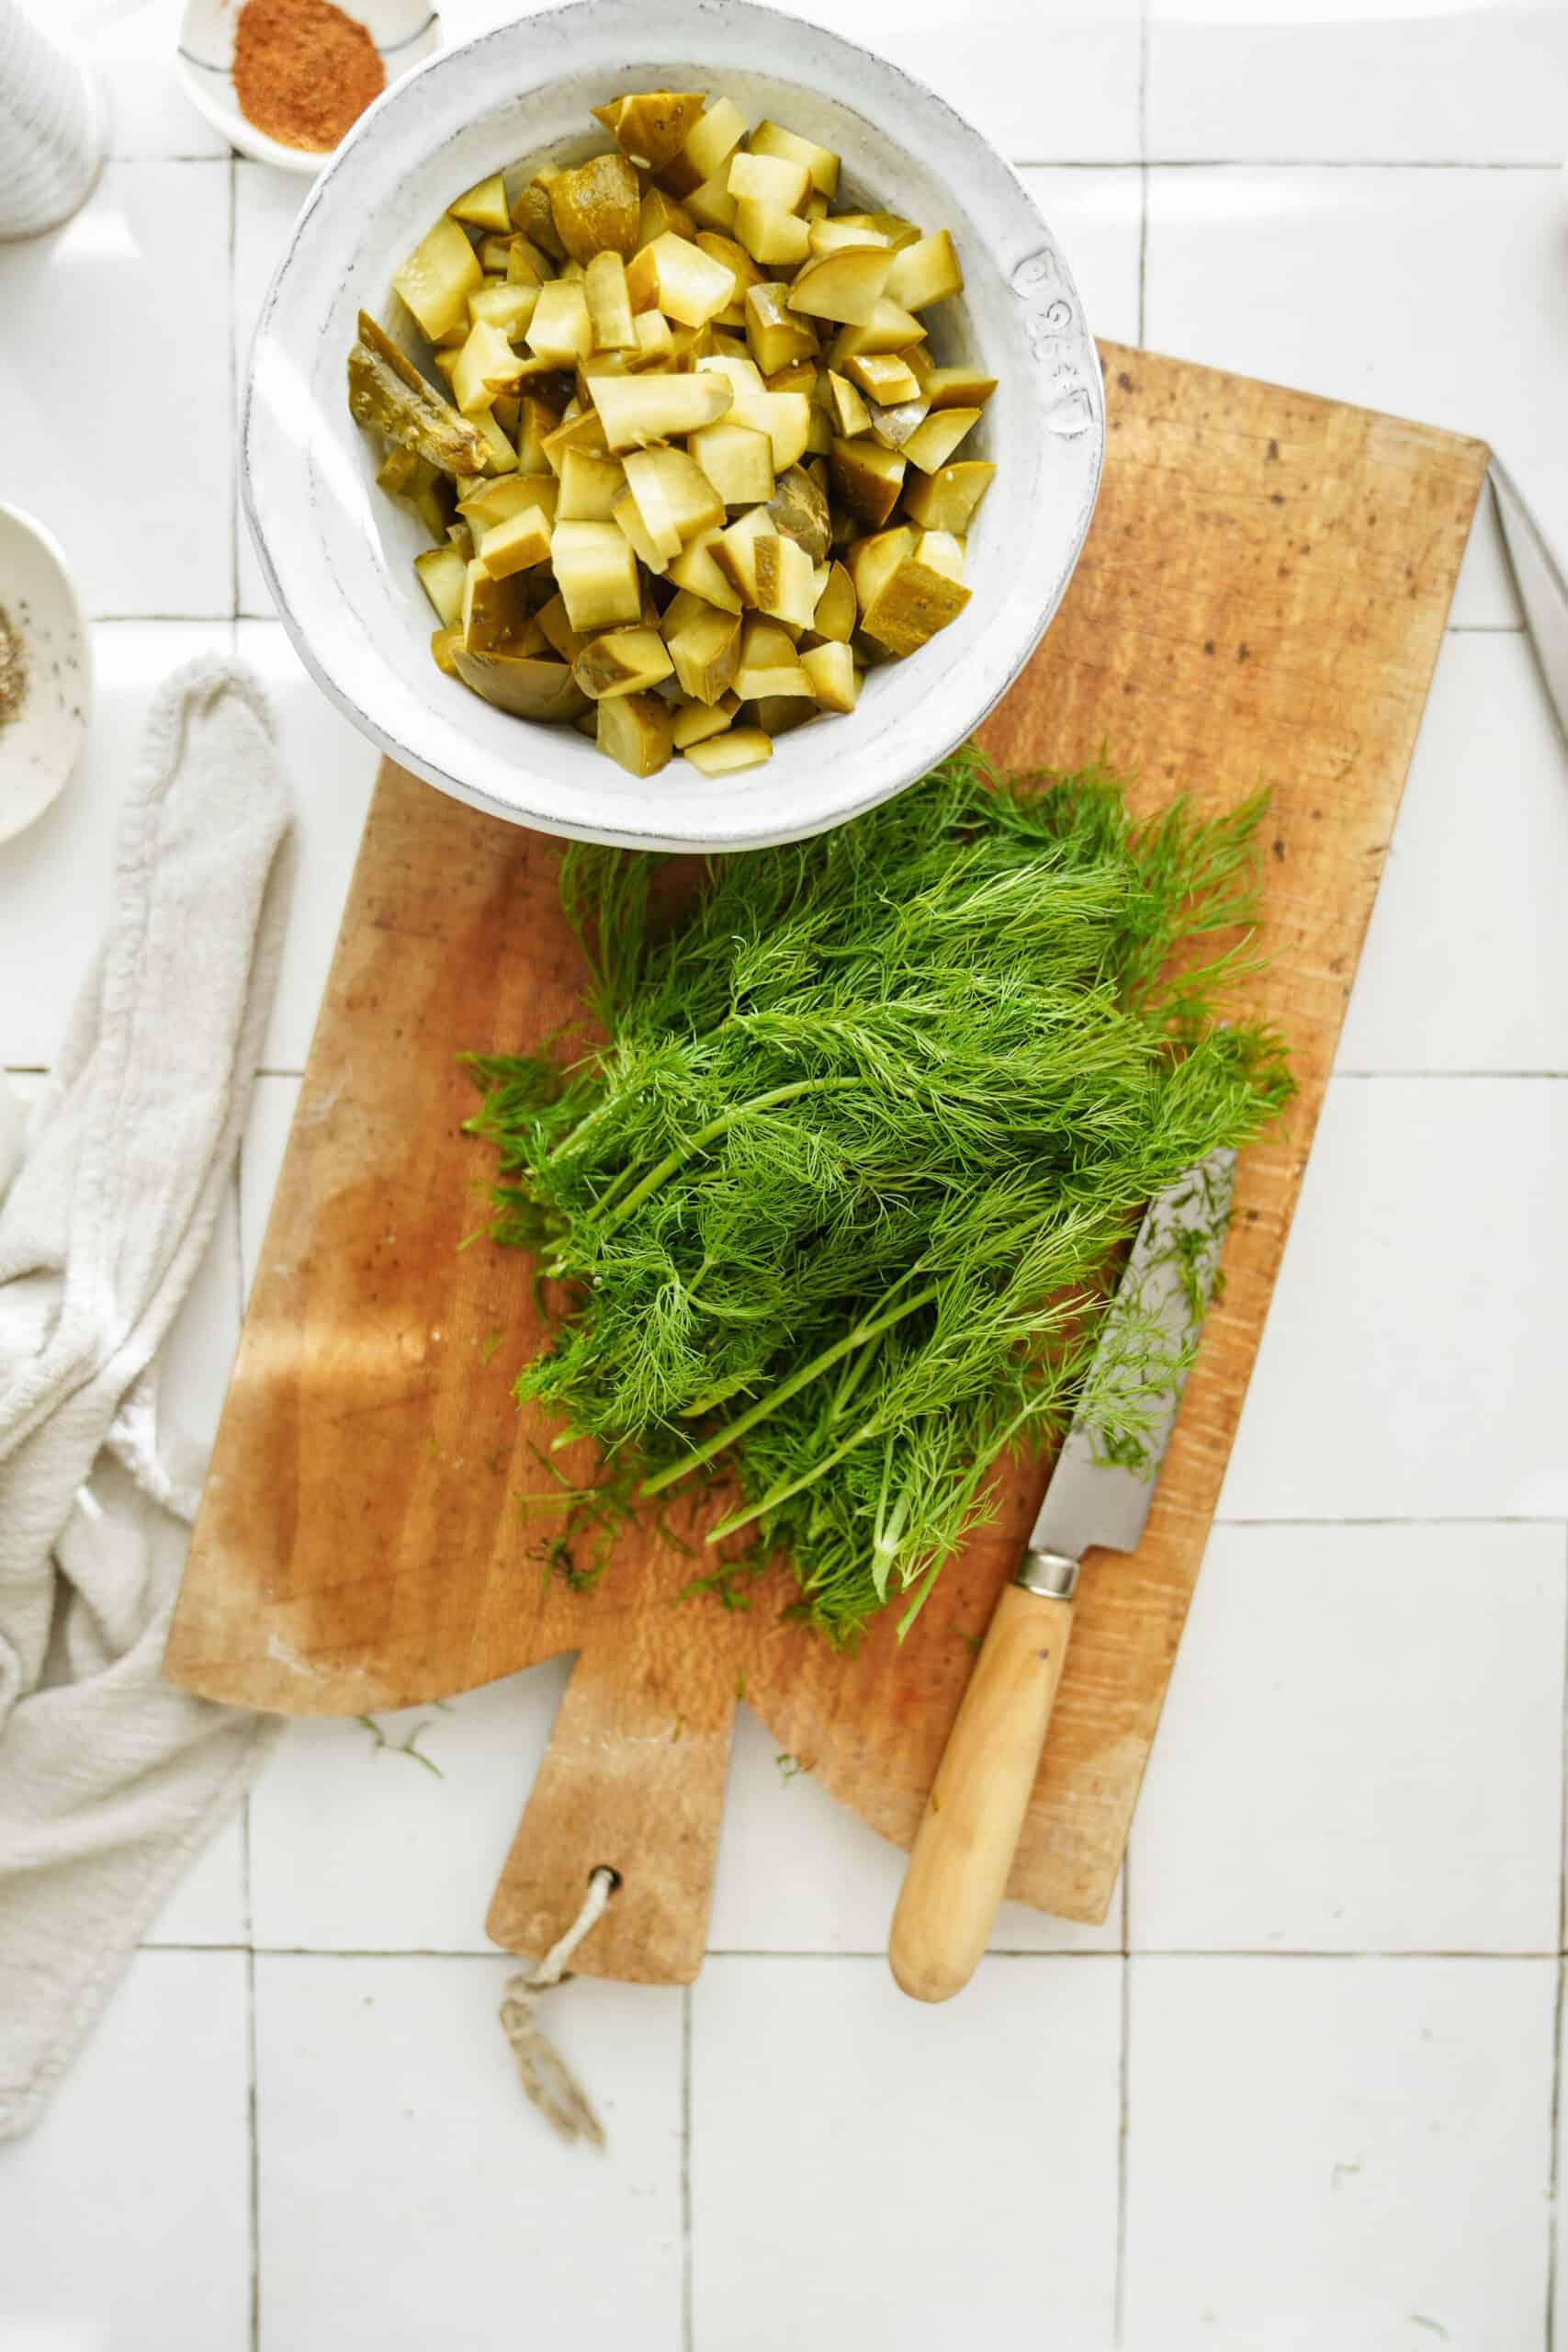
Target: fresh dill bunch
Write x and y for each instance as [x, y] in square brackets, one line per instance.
[841, 1197]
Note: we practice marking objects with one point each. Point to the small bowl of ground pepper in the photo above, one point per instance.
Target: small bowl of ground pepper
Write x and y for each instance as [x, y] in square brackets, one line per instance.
[285, 81]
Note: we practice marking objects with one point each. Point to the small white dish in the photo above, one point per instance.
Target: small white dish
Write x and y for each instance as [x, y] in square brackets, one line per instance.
[42, 741]
[338, 553]
[404, 31]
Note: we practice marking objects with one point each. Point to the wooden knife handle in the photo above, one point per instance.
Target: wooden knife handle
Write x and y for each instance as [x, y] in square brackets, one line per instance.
[964, 1846]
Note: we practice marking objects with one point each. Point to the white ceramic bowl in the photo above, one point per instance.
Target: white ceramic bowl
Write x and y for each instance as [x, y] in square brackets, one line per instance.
[41, 742]
[404, 31]
[338, 553]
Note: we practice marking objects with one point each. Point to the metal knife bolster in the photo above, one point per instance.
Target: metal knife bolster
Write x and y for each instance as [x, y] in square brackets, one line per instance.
[1053, 1575]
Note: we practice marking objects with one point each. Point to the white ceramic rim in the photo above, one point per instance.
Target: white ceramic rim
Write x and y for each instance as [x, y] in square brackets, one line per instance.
[210, 89]
[73, 728]
[297, 464]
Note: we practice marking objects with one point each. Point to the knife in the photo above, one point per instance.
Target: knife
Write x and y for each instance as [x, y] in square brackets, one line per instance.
[1537, 575]
[964, 1848]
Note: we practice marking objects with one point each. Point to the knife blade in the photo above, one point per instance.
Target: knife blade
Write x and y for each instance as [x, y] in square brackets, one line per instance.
[1164, 1290]
[968, 1834]
[1544, 591]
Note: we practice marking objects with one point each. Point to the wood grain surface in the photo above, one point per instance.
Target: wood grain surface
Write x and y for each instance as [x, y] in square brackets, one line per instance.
[1262, 598]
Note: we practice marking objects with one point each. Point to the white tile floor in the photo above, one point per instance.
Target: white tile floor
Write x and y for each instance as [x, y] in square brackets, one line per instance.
[1298, 2093]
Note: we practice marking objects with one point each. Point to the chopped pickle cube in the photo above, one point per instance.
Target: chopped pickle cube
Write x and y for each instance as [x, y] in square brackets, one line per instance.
[909, 607]
[438, 278]
[609, 304]
[933, 443]
[890, 328]
[598, 204]
[517, 544]
[799, 511]
[496, 501]
[786, 589]
[740, 266]
[843, 236]
[884, 377]
[947, 500]
[557, 630]
[676, 276]
[655, 341]
[646, 483]
[742, 747]
[533, 218]
[495, 612]
[821, 164]
[527, 685]
[430, 496]
[778, 715]
[771, 180]
[527, 265]
[709, 144]
[847, 406]
[740, 372]
[672, 483]
[635, 409]
[867, 478]
[835, 611]
[590, 486]
[661, 215]
[509, 308]
[443, 575]
[388, 393]
[560, 331]
[596, 572]
[486, 365]
[894, 427]
[536, 422]
[697, 722]
[958, 387]
[443, 644]
[844, 286]
[711, 205]
[622, 661]
[706, 654]
[784, 417]
[830, 670]
[926, 271]
[891, 227]
[652, 126]
[635, 731]
[796, 376]
[738, 460]
[873, 561]
[484, 204]
[627, 516]
[774, 337]
[942, 551]
[500, 456]
[734, 550]
[769, 662]
[695, 569]
[769, 233]
[584, 431]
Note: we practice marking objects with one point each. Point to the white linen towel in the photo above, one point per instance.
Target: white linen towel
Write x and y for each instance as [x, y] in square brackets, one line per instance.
[111, 1780]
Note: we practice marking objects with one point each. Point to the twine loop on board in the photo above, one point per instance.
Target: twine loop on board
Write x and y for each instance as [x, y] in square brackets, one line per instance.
[547, 2080]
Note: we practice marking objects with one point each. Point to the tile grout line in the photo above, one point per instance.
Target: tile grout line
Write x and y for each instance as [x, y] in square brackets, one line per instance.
[255, 2140]
[687, 2337]
[1554, 2167]
[1123, 2114]
[1529, 1955]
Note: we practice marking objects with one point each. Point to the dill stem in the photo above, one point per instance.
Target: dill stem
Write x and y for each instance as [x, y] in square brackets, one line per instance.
[710, 1134]
[732, 1430]
[733, 1520]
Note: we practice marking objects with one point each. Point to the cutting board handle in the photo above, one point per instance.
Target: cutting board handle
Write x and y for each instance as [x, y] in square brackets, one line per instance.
[964, 1848]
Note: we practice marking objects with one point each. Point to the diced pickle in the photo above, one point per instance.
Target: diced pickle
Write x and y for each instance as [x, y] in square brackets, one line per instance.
[708, 145]
[534, 215]
[822, 164]
[528, 686]
[933, 443]
[560, 330]
[486, 365]
[397, 470]
[835, 616]
[958, 387]
[773, 336]
[609, 304]
[443, 575]
[495, 612]
[779, 715]
[844, 286]
[622, 661]
[895, 427]
[438, 278]
[590, 486]
[697, 722]
[387, 392]
[773, 180]
[706, 654]
[925, 273]
[484, 204]
[635, 732]
[847, 406]
[697, 568]
[884, 377]
[727, 754]
[443, 644]
[636, 410]
[830, 670]
[738, 460]
[799, 511]
[596, 573]
[867, 477]
[913, 604]
[516, 544]
[660, 215]
[652, 126]
[947, 500]
[769, 232]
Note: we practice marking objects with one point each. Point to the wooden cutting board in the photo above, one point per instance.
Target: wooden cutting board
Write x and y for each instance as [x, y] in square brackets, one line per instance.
[1262, 598]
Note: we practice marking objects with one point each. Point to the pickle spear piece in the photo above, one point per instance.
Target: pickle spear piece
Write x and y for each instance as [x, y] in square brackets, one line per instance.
[651, 126]
[389, 395]
[598, 206]
[527, 685]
